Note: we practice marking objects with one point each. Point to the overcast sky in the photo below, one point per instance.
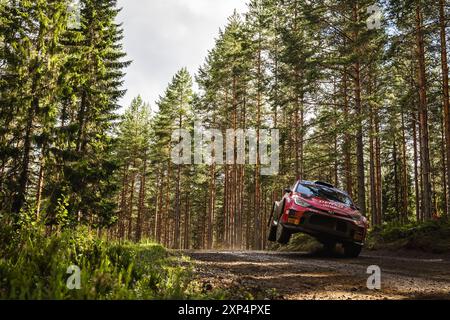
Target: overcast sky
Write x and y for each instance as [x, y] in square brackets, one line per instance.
[162, 36]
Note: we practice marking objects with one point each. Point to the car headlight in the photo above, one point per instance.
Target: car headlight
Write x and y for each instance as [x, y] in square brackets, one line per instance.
[360, 219]
[301, 203]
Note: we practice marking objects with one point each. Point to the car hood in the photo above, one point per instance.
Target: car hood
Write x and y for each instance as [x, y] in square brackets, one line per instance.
[332, 207]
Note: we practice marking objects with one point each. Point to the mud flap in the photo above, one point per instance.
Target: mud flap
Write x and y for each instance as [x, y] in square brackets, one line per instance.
[270, 224]
[271, 216]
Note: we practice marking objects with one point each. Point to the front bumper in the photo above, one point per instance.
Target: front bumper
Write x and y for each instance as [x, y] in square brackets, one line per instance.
[323, 226]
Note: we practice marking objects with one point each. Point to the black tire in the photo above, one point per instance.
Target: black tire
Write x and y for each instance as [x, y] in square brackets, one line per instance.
[283, 235]
[272, 233]
[272, 228]
[352, 250]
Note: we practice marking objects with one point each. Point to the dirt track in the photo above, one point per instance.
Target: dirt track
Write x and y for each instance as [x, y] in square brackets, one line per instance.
[280, 275]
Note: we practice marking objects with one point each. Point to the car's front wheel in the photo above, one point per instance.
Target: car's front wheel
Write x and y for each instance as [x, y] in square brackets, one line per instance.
[283, 234]
[352, 250]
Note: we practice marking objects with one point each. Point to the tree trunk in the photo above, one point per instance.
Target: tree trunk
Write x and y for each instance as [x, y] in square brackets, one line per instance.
[40, 184]
[444, 176]
[159, 207]
[373, 191]
[379, 178]
[166, 219]
[130, 205]
[445, 90]
[423, 116]
[396, 182]
[141, 207]
[187, 223]
[347, 141]
[123, 204]
[416, 167]
[177, 197]
[405, 185]
[24, 176]
[360, 143]
[359, 113]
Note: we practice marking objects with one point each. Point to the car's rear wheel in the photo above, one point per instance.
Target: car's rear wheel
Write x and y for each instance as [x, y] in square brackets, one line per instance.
[283, 235]
[352, 250]
[272, 233]
[272, 228]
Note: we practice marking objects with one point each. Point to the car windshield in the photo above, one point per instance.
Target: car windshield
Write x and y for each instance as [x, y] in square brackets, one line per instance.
[311, 190]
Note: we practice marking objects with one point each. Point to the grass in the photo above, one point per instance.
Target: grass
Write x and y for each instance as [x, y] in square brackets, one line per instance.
[33, 265]
[299, 242]
[430, 236]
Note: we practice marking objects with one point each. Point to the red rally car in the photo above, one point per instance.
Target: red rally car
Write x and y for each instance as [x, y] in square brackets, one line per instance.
[322, 211]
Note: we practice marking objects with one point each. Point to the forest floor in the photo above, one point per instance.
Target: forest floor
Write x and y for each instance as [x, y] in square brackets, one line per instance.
[298, 276]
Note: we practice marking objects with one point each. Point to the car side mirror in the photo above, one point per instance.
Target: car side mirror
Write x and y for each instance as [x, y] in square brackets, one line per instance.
[287, 190]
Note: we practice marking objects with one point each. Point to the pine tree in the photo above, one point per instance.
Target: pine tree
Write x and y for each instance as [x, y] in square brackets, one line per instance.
[62, 90]
[175, 112]
[97, 64]
[133, 145]
[32, 59]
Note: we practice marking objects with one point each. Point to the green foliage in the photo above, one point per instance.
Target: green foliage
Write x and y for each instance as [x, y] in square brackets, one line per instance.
[61, 213]
[60, 88]
[34, 263]
[430, 236]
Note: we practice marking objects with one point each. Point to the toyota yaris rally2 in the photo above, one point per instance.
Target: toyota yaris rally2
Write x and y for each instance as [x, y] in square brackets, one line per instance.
[322, 211]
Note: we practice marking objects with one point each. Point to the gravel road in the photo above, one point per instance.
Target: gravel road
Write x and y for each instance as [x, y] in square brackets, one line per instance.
[294, 275]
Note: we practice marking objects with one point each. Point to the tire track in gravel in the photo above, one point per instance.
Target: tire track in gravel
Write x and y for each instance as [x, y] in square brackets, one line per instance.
[297, 275]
